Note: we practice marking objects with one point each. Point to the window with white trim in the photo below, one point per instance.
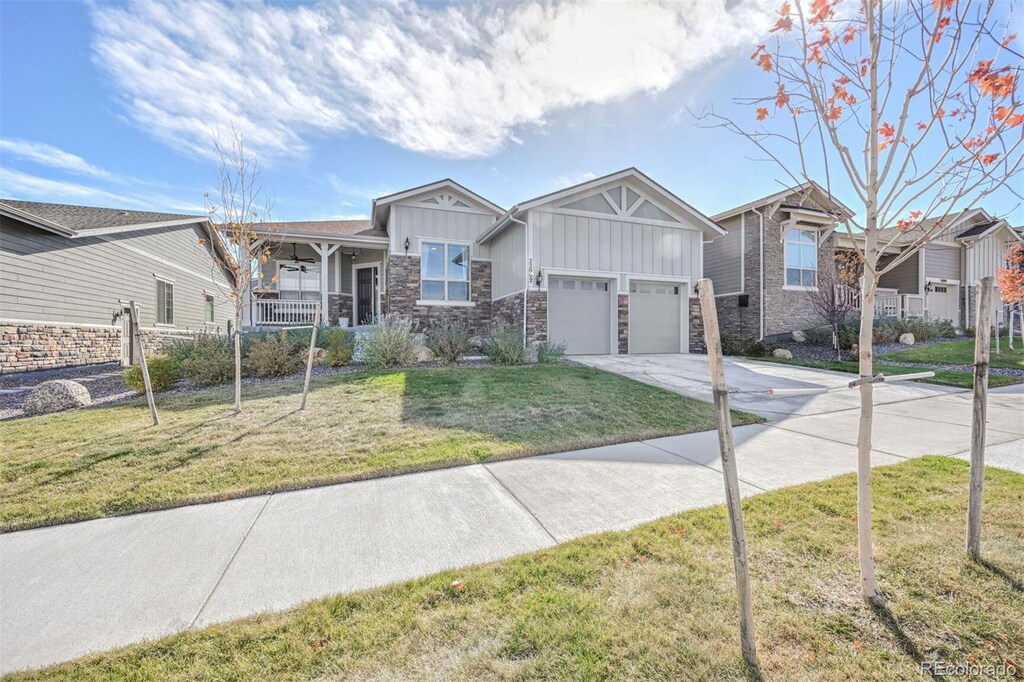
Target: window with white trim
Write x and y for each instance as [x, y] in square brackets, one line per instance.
[164, 302]
[801, 258]
[444, 272]
[208, 309]
[298, 281]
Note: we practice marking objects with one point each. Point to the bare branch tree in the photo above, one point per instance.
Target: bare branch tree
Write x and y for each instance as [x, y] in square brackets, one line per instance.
[912, 107]
[240, 218]
[833, 301]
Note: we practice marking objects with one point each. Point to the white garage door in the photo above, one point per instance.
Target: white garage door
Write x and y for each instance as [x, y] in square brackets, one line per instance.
[943, 303]
[580, 315]
[655, 309]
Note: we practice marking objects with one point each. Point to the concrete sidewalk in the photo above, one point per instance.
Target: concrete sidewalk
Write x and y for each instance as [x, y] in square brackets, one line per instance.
[73, 589]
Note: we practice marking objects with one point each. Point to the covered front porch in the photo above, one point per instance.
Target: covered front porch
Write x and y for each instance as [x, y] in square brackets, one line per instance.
[339, 277]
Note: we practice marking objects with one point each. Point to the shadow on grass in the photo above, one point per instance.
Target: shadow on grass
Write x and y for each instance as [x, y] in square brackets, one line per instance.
[1015, 583]
[903, 639]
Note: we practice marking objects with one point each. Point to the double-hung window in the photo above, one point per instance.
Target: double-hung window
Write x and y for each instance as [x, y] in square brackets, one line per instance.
[164, 302]
[444, 272]
[801, 258]
[208, 308]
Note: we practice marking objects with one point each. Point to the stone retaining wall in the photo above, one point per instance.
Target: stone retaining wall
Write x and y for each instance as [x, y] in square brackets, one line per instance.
[26, 347]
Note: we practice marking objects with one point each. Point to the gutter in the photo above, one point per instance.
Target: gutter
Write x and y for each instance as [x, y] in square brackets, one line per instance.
[526, 273]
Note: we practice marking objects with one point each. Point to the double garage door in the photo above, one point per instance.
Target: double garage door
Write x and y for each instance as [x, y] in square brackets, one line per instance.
[583, 315]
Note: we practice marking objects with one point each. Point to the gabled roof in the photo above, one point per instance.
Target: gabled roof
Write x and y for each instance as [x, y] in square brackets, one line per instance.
[782, 195]
[349, 229]
[80, 221]
[707, 224]
[381, 205]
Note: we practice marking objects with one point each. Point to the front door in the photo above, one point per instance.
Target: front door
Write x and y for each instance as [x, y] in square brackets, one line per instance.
[366, 295]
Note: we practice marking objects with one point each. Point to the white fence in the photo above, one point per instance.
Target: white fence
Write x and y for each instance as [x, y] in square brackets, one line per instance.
[275, 312]
[888, 302]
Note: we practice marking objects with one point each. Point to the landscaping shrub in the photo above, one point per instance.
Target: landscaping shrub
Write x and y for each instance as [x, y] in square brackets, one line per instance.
[163, 374]
[449, 341]
[276, 355]
[505, 347]
[733, 344]
[211, 360]
[550, 353]
[819, 336]
[390, 343]
[340, 346]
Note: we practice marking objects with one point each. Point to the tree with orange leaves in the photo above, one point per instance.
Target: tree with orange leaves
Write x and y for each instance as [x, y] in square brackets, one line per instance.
[911, 107]
[1010, 281]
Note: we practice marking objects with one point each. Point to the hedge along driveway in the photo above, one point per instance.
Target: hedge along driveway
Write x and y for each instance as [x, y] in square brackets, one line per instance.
[108, 461]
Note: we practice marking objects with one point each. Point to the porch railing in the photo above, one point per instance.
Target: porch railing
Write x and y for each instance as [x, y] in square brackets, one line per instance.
[276, 312]
[888, 302]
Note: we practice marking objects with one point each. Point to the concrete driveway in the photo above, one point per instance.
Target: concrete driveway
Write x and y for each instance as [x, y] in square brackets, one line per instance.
[750, 380]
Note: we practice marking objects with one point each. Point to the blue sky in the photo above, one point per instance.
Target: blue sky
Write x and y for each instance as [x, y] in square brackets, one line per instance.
[113, 104]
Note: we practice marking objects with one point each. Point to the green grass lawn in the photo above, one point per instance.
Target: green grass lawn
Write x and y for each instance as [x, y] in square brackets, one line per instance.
[658, 602]
[943, 377]
[961, 353]
[110, 460]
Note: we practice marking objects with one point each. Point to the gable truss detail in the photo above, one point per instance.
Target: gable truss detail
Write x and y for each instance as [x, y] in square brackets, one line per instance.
[621, 201]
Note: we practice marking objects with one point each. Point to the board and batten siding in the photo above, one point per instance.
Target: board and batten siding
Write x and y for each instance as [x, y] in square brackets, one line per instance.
[942, 262]
[508, 262]
[416, 223]
[723, 258]
[596, 244]
[987, 255]
[46, 277]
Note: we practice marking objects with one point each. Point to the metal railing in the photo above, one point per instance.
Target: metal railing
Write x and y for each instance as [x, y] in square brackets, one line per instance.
[276, 312]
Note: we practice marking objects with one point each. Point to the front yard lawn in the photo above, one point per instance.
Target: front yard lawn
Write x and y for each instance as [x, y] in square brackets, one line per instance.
[109, 460]
[658, 602]
[961, 353]
[943, 377]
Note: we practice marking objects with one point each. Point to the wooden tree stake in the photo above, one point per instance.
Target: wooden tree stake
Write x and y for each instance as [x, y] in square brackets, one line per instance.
[720, 391]
[982, 334]
[309, 360]
[137, 333]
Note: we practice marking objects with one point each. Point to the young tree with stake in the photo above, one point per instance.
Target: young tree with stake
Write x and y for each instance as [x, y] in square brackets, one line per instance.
[240, 218]
[912, 108]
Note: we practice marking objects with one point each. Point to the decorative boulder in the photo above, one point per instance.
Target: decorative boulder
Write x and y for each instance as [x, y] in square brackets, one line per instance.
[782, 354]
[799, 336]
[907, 339]
[854, 350]
[57, 395]
[477, 342]
[319, 355]
[424, 354]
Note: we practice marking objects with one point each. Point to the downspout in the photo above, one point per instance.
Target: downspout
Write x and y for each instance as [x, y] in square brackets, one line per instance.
[760, 272]
[526, 273]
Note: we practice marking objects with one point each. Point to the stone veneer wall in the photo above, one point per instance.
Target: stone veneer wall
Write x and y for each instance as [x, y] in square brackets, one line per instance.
[28, 347]
[507, 312]
[537, 316]
[403, 290]
[696, 339]
[623, 323]
[339, 306]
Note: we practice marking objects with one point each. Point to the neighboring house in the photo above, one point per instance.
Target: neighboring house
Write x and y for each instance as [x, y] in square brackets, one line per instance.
[771, 256]
[606, 266]
[938, 282]
[66, 273]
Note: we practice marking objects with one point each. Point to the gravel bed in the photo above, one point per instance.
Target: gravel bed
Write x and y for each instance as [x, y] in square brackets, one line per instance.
[106, 387]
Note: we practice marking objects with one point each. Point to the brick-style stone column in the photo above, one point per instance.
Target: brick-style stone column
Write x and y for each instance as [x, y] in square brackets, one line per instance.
[697, 344]
[339, 306]
[623, 324]
[537, 316]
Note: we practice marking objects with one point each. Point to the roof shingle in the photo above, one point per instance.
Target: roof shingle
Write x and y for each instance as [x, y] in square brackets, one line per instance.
[326, 228]
[84, 218]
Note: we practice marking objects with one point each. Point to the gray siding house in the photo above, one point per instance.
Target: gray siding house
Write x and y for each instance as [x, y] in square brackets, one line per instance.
[769, 259]
[606, 266]
[939, 281]
[67, 271]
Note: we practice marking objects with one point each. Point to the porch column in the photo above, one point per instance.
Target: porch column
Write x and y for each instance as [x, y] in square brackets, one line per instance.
[247, 300]
[325, 252]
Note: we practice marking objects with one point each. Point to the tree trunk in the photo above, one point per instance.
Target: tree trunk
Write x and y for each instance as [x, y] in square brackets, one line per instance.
[869, 585]
[238, 360]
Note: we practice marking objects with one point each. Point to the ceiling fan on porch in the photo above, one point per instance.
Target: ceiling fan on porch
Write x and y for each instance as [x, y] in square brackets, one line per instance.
[295, 262]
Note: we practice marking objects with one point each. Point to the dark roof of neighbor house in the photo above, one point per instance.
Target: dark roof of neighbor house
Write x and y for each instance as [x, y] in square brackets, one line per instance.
[978, 229]
[74, 220]
[783, 194]
[325, 228]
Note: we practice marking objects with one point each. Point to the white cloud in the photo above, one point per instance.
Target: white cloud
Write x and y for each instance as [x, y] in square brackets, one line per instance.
[48, 155]
[449, 80]
[16, 184]
[570, 179]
